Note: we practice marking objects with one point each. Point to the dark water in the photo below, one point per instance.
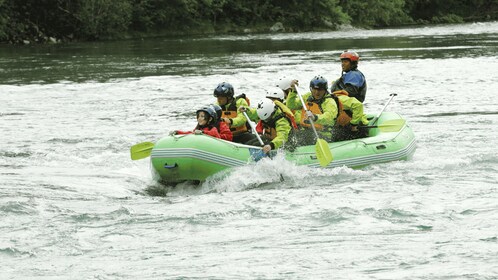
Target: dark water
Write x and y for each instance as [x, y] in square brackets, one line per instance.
[103, 61]
[74, 206]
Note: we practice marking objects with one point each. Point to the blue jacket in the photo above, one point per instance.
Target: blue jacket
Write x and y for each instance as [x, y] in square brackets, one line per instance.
[354, 83]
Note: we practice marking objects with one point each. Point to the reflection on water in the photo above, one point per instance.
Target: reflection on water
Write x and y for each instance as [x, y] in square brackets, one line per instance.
[101, 61]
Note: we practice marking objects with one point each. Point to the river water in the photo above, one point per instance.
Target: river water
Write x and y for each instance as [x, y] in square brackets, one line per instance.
[74, 206]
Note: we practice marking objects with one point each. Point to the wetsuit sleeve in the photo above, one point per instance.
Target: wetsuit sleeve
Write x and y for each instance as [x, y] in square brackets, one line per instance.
[356, 107]
[297, 116]
[293, 101]
[239, 120]
[252, 113]
[283, 129]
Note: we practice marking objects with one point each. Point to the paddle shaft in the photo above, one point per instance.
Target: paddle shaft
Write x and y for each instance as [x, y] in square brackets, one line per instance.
[385, 106]
[375, 126]
[253, 129]
[306, 108]
[323, 153]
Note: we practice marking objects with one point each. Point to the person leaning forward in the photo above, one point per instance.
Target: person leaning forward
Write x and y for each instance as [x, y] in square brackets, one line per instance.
[322, 108]
[288, 85]
[276, 125]
[224, 93]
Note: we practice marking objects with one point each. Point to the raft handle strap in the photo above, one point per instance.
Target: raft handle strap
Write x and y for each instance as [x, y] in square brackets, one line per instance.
[170, 166]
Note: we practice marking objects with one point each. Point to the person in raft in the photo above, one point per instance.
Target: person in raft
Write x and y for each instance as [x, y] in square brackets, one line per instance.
[288, 85]
[273, 93]
[322, 109]
[224, 93]
[222, 127]
[352, 81]
[276, 125]
[337, 116]
[206, 120]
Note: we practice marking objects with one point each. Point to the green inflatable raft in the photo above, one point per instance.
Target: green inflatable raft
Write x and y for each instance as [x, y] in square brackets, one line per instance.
[196, 157]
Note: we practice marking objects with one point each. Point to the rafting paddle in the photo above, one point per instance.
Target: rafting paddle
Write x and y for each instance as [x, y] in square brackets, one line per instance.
[259, 154]
[253, 129]
[141, 150]
[388, 126]
[323, 153]
[380, 113]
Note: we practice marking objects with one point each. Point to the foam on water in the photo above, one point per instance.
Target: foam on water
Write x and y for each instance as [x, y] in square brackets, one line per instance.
[73, 204]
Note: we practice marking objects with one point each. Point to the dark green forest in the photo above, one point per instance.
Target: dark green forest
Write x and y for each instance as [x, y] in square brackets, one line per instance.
[82, 20]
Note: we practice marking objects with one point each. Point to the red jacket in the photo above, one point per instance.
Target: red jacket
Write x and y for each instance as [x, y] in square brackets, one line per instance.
[211, 131]
[225, 132]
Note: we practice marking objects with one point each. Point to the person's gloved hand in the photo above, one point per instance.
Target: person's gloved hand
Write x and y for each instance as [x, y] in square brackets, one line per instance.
[312, 116]
[266, 148]
[359, 127]
[198, 132]
[294, 83]
[309, 116]
[171, 133]
[242, 109]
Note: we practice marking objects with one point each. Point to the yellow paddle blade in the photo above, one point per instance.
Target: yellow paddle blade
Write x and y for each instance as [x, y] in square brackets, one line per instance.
[141, 150]
[392, 125]
[323, 152]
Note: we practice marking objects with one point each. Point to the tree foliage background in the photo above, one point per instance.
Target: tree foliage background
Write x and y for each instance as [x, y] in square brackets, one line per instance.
[38, 20]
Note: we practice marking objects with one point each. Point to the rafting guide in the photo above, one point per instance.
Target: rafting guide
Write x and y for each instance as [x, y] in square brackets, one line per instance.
[352, 81]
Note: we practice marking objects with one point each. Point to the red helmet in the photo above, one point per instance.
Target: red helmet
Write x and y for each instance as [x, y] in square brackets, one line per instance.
[352, 56]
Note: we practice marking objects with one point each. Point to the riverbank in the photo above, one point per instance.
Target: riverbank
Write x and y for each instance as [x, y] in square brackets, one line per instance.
[33, 22]
[263, 28]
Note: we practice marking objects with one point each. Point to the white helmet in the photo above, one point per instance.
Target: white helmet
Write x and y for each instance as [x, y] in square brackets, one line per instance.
[265, 108]
[275, 92]
[284, 83]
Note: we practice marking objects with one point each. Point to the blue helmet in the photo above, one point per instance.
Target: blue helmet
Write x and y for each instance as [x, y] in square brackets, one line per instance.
[319, 82]
[224, 89]
[211, 112]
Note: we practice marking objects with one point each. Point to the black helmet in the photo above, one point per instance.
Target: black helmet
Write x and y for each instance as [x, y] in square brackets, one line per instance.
[319, 82]
[217, 109]
[224, 89]
[211, 112]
